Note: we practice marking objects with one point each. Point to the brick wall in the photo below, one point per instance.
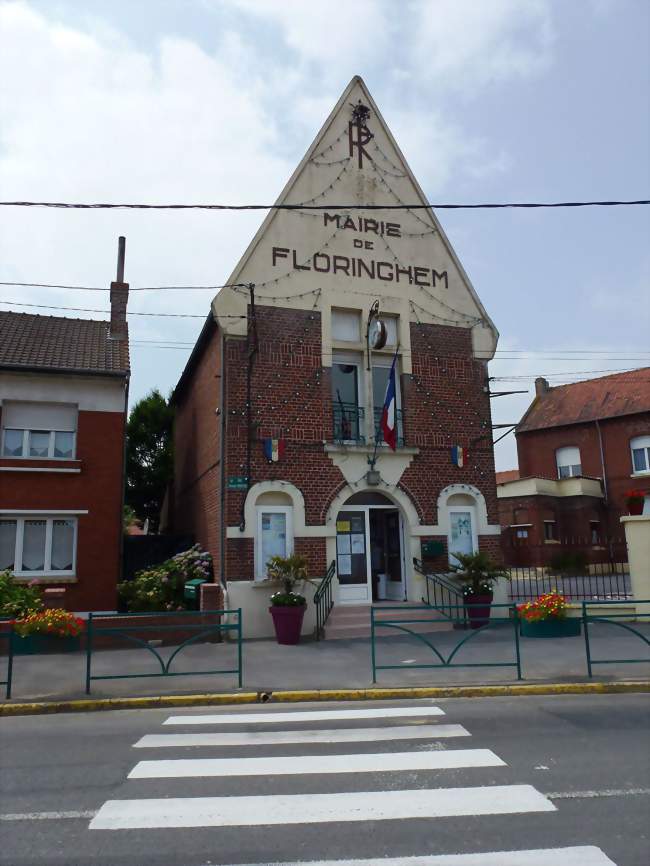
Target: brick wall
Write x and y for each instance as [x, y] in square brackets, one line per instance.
[97, 488]
[197, 469]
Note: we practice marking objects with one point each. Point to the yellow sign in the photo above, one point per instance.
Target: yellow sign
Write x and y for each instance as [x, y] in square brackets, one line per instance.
[342, 525]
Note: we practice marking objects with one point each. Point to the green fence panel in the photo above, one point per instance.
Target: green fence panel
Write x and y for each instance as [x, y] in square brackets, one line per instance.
[126, 626]
[453, 612]
[612, 619]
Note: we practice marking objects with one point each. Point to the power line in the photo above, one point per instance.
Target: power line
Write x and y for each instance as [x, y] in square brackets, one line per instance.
[244, 207]
[131, 289]
[90, 310]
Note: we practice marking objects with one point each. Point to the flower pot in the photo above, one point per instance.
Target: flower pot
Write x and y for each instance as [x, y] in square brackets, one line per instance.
[635, 507]
[288, 623]
[35, 644]
[550, 627]
[477, 607]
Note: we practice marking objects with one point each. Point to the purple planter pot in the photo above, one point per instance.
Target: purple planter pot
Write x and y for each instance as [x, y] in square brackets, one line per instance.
[288, 623]
[478, 613]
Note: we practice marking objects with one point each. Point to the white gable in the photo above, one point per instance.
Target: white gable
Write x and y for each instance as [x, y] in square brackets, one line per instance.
[347, 258]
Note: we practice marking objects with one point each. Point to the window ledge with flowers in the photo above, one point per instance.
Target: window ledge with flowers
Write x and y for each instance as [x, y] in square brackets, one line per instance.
[546, 616]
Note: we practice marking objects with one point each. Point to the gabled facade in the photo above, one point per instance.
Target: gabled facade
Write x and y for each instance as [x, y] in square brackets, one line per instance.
[278, 445]
[63, 403]
[581, 448]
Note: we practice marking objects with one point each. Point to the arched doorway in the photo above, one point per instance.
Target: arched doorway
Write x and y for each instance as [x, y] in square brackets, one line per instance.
[370, 550]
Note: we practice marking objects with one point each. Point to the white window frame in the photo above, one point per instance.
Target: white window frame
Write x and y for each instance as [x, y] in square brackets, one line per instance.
[639, 443]
[342, 316]
[357, 360]
[570, 466]
[47, 571]
[287, 510]
[50, 449]
[462, 509]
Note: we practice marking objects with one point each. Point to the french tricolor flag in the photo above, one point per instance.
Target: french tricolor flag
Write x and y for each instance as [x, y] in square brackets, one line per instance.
[389, 415]
[459, 455]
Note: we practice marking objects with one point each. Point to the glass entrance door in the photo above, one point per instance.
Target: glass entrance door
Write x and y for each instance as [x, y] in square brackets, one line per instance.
[352, 556]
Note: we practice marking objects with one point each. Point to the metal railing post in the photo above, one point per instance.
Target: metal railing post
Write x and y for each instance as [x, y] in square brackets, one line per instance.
[10, 662]
[240, 673]
[586, 628]
[89, 640]
[517, 646]
[372, 644]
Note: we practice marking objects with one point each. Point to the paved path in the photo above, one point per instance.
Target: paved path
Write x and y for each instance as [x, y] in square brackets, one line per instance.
[489, 782]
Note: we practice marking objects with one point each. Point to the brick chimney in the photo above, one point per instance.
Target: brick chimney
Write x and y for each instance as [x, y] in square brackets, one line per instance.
[541, 386]
[119, 297]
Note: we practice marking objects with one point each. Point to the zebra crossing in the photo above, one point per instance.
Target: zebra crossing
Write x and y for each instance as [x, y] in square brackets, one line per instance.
[423, 744]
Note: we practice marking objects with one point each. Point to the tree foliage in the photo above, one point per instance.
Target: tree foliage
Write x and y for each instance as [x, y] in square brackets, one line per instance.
[149, 455]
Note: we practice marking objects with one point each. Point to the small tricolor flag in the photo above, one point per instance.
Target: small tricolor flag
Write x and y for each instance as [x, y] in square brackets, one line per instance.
[273, 449]
[459, 455]
[388, 420]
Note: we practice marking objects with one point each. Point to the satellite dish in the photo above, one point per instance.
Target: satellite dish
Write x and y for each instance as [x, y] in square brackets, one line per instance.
[377, 334]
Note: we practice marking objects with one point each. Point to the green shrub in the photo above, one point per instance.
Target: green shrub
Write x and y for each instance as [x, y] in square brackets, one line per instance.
[17, 599]
[162, 587]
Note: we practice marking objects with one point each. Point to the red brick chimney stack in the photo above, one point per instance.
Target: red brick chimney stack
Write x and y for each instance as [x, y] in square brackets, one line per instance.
[119, 296]
[541, 386]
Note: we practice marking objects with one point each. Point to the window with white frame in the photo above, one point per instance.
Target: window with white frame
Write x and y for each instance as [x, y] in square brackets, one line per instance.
[640, 448]
[39, 430]
[37, 545]
[274, 535]
[348, 396]
[346, 326]
[568, 462]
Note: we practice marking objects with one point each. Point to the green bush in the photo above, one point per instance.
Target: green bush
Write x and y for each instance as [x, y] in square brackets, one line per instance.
[290, 571]
[162, 587]
[17, 599]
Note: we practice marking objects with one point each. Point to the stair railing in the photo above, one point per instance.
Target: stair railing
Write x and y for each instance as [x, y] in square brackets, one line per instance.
[324, 601]
[443, 595]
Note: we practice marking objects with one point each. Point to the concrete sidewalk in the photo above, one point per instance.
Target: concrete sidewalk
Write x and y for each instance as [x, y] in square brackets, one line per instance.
[339, 664]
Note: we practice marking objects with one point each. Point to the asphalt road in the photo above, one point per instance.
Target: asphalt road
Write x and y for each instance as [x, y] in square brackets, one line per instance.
[563, 778]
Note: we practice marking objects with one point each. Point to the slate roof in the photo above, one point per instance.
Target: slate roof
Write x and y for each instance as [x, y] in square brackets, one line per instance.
[594, 399]
[55, 343]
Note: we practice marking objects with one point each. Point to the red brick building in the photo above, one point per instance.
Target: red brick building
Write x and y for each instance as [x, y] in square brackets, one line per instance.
[581, 448]
[63, 401]
[278, 446]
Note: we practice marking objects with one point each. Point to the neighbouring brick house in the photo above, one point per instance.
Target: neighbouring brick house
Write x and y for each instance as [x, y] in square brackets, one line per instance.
[277, 411]
[580, 447]
[63, 402]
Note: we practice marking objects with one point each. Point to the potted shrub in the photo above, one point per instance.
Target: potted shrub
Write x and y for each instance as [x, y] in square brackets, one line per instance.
[634, 500]
[478, 573]
[287, 607]
[52, 630]
[546, 616]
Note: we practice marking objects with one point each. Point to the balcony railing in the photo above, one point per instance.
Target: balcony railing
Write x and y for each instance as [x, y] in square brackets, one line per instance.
[379, 433]
[349, 425]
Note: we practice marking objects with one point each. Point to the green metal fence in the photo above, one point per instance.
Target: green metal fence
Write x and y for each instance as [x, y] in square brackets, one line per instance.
[7, 636]
[424, 614]
[612, 619]
[178, 620]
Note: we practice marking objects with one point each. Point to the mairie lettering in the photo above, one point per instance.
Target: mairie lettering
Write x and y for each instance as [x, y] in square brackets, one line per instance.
[355, 266]
[363, 224]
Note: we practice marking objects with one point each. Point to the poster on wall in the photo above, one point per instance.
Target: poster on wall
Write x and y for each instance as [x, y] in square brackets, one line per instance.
[345, 564]
[358, 543]
[343, 544]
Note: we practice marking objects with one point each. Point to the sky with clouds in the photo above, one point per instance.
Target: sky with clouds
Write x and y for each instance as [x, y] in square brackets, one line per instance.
[217, 101]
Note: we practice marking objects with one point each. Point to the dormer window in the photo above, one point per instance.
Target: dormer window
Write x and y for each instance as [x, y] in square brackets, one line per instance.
[568, 462]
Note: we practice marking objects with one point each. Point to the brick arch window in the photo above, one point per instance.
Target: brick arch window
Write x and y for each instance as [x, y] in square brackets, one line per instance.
[568, 461]
[640, 448]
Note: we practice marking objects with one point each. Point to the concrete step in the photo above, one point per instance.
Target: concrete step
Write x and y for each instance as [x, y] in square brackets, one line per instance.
[353, 621]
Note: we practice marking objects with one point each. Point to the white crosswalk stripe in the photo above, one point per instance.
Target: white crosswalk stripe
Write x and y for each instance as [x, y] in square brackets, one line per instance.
[586, 855]
[384, 762]
[305, 716]
[427, 753]
[274, 738]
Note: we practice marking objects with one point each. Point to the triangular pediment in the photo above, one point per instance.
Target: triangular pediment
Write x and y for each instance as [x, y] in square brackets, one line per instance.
[348, 257]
